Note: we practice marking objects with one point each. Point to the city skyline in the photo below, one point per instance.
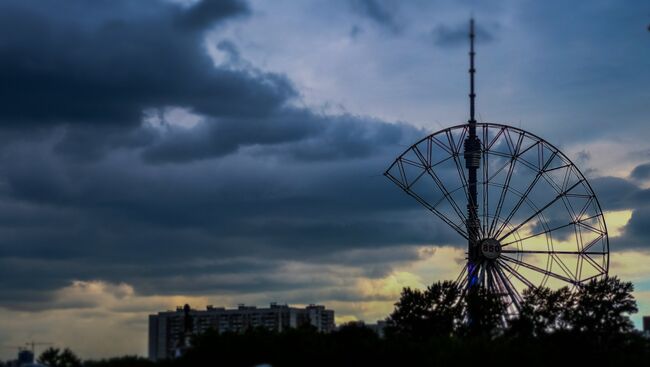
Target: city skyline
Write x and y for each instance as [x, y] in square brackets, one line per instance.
[226, 152]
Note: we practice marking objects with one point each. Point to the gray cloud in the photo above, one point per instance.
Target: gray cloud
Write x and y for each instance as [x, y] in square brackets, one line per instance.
[119, 59]
[641, 172]
[89, 191]
[452, 36]
[636, 233]
[616, 193]
[264, 198]
[98, 194]
[208, 12]
[622, 194]
[382, 12]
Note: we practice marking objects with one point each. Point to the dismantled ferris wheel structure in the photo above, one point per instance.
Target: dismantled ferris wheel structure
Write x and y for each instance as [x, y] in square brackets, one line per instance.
[529, 216]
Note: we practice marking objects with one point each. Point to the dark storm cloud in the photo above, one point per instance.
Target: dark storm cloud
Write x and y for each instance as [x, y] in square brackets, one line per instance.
[94, 193]
[293, 133]
[636, 234]
[345, 137]
[615, 193]
[621, 194]
[98, 194]
[382, 12]
[641, 172]
[206, 13]
[453, 36]
[118, 59]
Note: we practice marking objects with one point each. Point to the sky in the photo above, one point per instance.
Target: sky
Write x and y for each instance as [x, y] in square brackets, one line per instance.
[156, 153]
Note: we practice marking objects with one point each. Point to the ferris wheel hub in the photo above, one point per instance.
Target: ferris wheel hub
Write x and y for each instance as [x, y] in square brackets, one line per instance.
[490, 248]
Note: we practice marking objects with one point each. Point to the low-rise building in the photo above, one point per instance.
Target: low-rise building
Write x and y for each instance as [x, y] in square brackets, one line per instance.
[170, 331]
[25, 359]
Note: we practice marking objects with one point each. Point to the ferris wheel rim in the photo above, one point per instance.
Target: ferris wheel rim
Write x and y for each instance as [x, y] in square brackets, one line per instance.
[556, 150]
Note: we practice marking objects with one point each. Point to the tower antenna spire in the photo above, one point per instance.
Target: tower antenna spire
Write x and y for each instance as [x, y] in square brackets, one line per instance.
[472, 71]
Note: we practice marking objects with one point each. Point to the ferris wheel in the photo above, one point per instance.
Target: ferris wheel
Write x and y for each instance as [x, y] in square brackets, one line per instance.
[529, 216]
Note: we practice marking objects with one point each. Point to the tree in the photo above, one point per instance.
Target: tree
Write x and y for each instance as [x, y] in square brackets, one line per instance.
[484, 313]
[543, 311]
[49, 356]
[125, 361]
[600, 307]
[54, 357]
[424, 314]
[604, 307]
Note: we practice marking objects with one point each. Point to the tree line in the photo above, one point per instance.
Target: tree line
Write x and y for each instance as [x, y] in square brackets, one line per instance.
[441, 325]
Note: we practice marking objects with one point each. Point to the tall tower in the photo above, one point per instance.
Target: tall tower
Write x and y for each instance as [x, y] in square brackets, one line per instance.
[472, 156]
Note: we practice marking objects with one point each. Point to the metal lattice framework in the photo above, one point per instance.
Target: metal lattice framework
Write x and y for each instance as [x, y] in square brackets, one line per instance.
[536, 218]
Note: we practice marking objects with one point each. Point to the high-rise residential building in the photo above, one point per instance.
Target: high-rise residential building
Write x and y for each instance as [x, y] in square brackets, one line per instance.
[170, 331]
[646, 326]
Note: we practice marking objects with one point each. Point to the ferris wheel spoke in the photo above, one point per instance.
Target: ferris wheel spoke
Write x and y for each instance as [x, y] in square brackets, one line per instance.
[593, 262]
[428, 206]
[521, 200]
[558, 197]
[551, 252]
[461, 280]
[549, 230]
[506, 184]
[439, 182]
[491, 284]
[564, 267]
[500, 169]
[527, 192]
[496, 137]
[593, 242]
[454, 154]
[516, 274]
[539, 270]
[510, 288]
[461, 174]
[447, 195]
[481, 274]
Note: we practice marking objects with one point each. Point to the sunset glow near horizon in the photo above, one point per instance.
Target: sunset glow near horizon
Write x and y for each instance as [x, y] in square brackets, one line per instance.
[222, 152]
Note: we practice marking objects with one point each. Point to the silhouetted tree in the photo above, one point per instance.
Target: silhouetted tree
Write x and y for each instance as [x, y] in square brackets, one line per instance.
[543, 311]
[604, 307]
[434, 328]
[54, 357]
[484, 313]
[352, 331]
[49, 356]
[435, 311]
[126, 361]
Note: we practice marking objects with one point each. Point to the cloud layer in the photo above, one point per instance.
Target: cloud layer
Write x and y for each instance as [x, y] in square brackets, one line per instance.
[153, 153]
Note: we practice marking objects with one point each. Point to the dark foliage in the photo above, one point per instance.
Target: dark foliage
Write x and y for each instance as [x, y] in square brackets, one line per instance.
[55, 357]
[442, 327]
[126, 361]
[484, 314]
[433, 312]
[603, 307]
[543, 312]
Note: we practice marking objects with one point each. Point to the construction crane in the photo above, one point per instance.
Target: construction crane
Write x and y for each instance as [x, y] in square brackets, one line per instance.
[34, 343]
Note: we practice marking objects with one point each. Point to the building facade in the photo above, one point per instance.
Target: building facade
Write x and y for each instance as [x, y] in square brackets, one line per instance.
[170, 331]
